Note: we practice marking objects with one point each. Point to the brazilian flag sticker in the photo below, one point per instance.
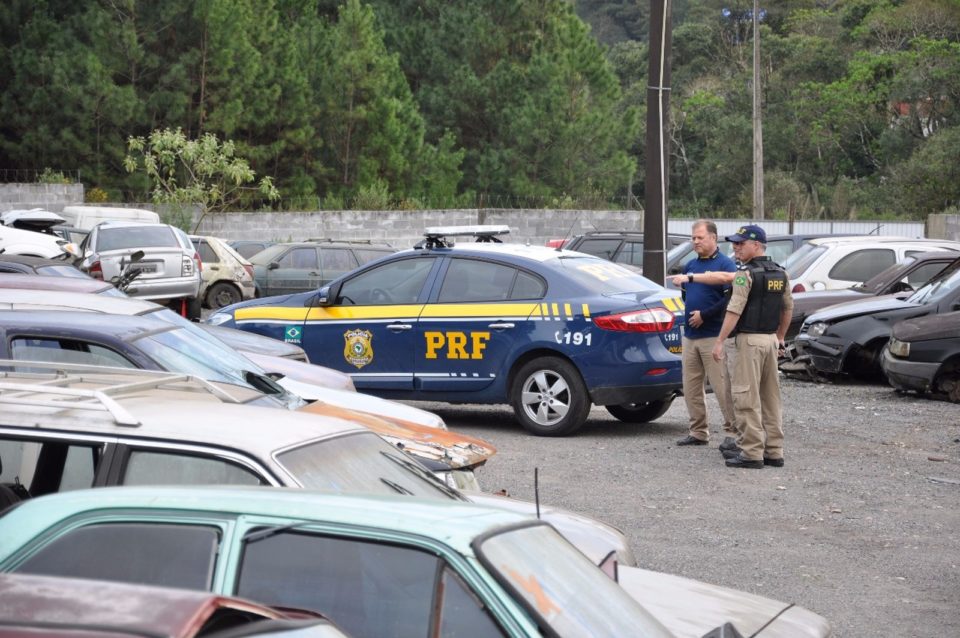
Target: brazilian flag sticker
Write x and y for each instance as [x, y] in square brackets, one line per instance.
[292, 334]
[740, 280]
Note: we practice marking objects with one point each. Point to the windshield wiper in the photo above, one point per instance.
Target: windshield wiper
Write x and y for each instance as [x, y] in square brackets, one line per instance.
[425, 474]
[259, 535]
[396, 486]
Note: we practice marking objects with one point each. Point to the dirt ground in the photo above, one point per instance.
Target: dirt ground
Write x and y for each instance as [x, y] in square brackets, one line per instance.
[862, 525]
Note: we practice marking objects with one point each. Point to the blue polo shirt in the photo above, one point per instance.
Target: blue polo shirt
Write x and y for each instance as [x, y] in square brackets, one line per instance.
[710, 300]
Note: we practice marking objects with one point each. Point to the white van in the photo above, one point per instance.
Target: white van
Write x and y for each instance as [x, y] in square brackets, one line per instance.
[16, 241]
[86, 217]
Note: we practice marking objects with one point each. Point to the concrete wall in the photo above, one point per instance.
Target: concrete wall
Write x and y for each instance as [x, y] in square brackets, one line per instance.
[944, 227]
[52, 197]
[402, 229]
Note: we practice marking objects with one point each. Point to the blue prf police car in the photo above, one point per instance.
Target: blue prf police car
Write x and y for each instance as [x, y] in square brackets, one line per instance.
[548, 331]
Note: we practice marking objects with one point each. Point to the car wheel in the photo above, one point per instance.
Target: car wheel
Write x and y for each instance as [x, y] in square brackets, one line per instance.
[549, 397]
[640, 412]
[222, 294]
[948, 383]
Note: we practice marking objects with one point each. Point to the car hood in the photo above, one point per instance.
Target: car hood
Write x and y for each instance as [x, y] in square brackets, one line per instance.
[690, 608]
[808, 302]
[594, 538]
[306, 373]
[944, 326]
[384, 408]
[456, 451]
[252, 342]
[857, 308]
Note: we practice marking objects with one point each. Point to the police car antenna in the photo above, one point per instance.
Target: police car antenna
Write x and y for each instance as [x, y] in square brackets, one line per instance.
[569, 230]
[536, 489]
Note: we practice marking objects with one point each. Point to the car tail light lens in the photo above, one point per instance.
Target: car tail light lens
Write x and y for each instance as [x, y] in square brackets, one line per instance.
[798, 288]
[609, 566]
[653, 320]
[198, 261]
[96, 270]
[249, 269]
[557, 243]
[187, 266]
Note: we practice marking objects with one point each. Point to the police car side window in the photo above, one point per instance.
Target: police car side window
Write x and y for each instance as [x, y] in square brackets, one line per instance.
[469, 280]
[528, 287]
[396, 282]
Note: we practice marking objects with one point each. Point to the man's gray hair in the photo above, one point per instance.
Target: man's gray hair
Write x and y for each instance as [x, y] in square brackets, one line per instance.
[706, 223]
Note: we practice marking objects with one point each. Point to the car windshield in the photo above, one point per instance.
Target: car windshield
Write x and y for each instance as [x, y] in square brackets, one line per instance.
[268, 254]
[123, 237]
[561, 587]
[938, 287]
[361, 463]
[802, 258]
[604, 277]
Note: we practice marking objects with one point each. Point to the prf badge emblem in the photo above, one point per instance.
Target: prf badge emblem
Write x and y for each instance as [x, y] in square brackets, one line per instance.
[358, 351]
[292, 334]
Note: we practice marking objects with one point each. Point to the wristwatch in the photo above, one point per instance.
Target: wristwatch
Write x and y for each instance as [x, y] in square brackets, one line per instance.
[690, 278]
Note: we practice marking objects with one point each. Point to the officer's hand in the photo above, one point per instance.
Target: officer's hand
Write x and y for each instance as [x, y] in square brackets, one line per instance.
[718, 351]
[695, 319]
[679, 280]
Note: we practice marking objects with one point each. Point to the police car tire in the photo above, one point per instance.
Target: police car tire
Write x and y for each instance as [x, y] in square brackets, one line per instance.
[573, 394]
[640, 412]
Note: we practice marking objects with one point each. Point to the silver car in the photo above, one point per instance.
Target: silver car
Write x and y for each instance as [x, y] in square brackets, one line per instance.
[169, 269]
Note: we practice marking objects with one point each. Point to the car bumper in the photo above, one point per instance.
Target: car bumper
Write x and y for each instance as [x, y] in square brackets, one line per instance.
[165, 288]
[824, 356]
[908, 375]
[619, 395]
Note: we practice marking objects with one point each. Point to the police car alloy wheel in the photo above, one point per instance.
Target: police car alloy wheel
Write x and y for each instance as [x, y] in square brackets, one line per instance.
[640, 412]
[549, 397]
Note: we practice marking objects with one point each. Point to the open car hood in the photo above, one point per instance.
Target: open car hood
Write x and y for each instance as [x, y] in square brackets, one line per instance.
[690, 608]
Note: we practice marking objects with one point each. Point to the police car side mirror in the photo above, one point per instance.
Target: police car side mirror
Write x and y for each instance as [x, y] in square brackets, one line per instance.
[324, 297]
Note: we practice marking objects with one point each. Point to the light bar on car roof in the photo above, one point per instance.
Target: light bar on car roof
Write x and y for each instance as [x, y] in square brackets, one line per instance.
[436, 236]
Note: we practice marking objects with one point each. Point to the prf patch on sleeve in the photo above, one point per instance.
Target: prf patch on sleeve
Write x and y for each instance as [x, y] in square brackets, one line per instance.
[740, 280]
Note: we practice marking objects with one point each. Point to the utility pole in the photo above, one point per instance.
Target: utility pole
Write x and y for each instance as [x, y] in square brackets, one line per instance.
[657, 143]
[757, 123]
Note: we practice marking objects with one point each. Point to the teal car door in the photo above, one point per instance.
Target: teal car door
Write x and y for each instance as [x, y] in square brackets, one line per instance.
[478, 316]
[296, 270]
[369, 330]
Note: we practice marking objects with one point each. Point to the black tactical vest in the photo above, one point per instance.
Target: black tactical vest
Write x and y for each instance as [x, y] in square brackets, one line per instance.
[765, 302]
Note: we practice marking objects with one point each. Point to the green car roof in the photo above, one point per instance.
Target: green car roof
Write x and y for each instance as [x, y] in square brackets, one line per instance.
[454, 523]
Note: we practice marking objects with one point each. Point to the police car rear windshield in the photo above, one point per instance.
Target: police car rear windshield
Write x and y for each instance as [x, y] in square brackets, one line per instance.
[604, 277]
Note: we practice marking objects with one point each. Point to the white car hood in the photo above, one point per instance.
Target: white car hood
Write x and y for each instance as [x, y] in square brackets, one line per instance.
[690, 608]
[363, 403]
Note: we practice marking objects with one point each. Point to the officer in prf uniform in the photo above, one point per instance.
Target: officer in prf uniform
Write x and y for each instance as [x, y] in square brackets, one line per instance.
[758, 315]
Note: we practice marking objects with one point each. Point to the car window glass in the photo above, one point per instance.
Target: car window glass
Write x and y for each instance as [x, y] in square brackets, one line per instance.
[123, 237]
[300, 258]
[861, 265]
[178, 555]
[148, 467]
[66, 351]
[938, 287]
[461, 612]
[631, 253]
[473, 280]
[602, 248]
[367, 588]
[924, 273]
[366, 255]
[392, 283]
[360, 463]
[51, 466]
[802, 258]
[337, 261]
[528, 287]
[207, 254]
[779, 249]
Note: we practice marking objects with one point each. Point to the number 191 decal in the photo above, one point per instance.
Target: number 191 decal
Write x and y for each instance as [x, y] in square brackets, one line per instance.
[573, 338]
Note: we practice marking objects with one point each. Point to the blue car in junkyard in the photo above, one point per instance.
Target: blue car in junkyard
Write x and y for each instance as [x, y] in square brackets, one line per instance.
[548, 331]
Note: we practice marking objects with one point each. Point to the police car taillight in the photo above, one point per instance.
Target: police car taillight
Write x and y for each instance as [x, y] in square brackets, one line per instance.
[655, 320]
[95, 270]
[798, 288]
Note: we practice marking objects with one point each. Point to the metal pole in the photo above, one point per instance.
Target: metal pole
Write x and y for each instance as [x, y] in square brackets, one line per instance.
[757, 125]
[657, 143]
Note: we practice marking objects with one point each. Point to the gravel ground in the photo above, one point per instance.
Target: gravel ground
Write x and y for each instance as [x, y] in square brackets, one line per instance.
[862, 525]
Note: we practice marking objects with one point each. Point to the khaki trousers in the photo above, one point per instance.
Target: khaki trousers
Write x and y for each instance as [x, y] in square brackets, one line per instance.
[698, 364]
[756, 397]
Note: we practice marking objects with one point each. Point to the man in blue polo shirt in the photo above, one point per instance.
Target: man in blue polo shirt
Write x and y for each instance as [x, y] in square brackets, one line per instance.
[705, 308]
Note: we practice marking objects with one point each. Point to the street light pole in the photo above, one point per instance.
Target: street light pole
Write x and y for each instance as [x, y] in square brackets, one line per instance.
[656, 184]
[757, 124]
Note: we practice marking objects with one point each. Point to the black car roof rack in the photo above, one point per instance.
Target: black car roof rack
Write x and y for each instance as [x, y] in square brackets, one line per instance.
[56, 386]
[437, 236]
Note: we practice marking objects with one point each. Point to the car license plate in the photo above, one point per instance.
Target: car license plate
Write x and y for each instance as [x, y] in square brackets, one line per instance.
[144, 268]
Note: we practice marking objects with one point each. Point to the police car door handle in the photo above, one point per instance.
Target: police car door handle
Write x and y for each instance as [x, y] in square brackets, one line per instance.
[500, 326]
[399, 327]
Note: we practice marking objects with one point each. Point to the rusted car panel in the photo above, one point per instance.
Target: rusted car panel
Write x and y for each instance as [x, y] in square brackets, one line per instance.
[691, 608]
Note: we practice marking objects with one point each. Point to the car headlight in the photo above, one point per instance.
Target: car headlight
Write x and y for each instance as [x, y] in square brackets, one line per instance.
[899, 348]
[219, 318]
[817, 329]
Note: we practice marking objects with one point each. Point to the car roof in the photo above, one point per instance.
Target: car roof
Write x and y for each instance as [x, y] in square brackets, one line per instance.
[94, 605]
[81, 301]
[521, 251]
[116, 223]
[152, 405]
[880, 239]
[456, 523]
[19, 281]
[71, 322]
